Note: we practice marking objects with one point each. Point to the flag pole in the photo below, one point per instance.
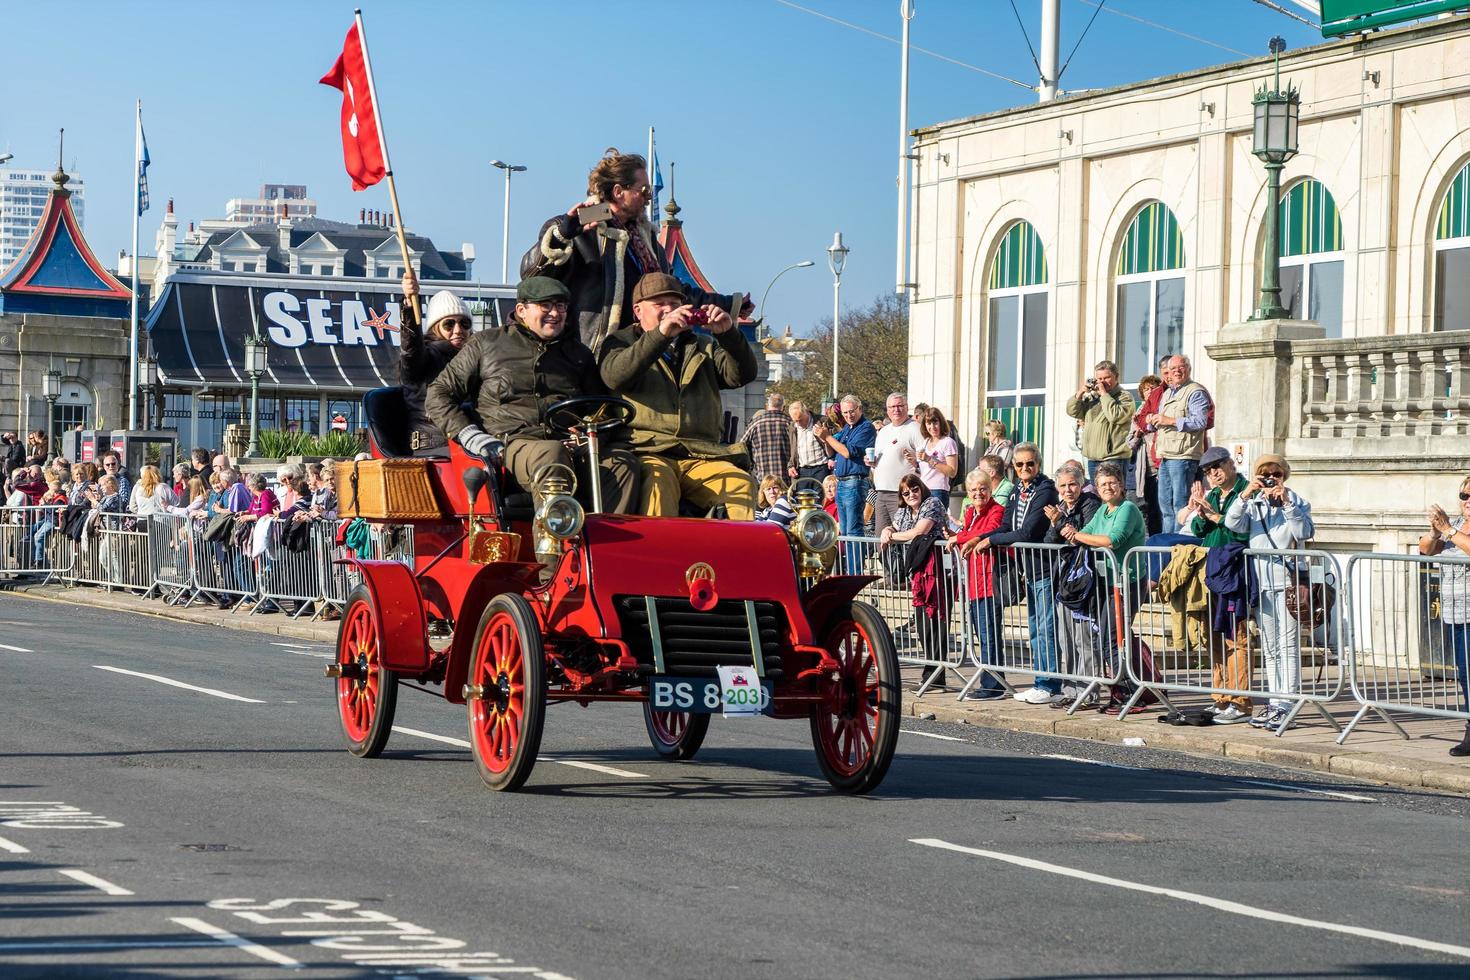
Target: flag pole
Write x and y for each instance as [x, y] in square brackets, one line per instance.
[652, 215]
[387, 163]
[133, 325]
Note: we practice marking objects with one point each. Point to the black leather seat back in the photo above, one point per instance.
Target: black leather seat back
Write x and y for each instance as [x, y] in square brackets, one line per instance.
[387, 422]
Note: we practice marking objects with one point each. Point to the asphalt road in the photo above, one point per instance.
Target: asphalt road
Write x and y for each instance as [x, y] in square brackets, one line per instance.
[151, 830]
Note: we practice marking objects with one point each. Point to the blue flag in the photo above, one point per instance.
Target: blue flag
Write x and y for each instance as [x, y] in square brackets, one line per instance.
[140, 150]
[658, 183]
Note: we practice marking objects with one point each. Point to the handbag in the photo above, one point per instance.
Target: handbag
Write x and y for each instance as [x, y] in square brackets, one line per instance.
[1307, 602]
[1010, 581]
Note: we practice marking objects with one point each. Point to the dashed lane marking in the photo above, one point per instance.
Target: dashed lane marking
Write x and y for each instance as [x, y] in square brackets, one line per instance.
[944, 738]
[159, 678]
[1095, 762]
[101, 884]
[244, 945]
[1220, 904]
[574, 763]
[1353, 797]
[12, 847]
[7, 646]
[83, 946]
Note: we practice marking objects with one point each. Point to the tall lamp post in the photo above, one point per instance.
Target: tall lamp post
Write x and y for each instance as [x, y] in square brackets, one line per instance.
[51, 389]
[803, 264]
[148, 381]
[509, 168]
[1274, 143]
[255, 361]
[836, 259]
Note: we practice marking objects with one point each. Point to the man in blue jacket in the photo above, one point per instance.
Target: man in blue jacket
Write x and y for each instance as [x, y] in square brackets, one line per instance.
[849, 448]
[1025, 522]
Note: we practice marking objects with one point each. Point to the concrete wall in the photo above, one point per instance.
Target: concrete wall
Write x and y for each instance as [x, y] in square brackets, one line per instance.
[31, 343]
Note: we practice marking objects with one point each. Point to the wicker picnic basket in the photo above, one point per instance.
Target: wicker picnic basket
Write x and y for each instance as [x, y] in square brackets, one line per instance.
[387, 490]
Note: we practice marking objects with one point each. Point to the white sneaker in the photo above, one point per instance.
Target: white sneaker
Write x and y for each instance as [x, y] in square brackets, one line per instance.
[1230, 715]
[1038, 695]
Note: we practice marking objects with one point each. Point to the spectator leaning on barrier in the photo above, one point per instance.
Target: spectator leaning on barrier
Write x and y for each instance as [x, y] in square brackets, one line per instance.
[829, 495]
[919, 523]
[180, 479]
[1276, 519]
[1105, 409]
[150, 495]
[850, 445]
[981, 516]
[1145, 459]
[199, 464]
[1230, 658]
[813, 459]
[292, 477]
[1454, 592]
[1076, 503]
[770, 437]
[1025, 522]
[1182, 423]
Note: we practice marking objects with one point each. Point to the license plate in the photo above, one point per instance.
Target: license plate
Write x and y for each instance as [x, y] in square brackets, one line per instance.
[703, 695]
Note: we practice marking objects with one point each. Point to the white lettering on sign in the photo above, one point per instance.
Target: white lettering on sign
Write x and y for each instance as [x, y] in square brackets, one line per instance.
[51, 815]
[341, 926]
[361, 325]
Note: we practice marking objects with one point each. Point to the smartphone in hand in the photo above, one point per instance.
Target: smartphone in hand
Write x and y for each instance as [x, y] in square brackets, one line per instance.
[594, 213]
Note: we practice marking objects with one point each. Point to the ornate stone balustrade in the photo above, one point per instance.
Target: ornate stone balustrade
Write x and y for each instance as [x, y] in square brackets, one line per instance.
[1409, 385]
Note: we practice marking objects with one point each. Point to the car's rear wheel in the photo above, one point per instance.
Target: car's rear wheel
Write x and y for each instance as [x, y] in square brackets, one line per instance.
[506, 692]
[676, 735]
[367, 692]
[855, 728]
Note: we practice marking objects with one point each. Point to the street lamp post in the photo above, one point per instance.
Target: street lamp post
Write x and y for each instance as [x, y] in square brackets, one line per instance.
[803, 264]
[148, 381]
[1274, 143]
[836, 259]
[51, 389]
[255, 361]
[509, 168]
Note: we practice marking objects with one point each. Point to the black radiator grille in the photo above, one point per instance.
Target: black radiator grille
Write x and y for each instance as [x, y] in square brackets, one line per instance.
[695, 642]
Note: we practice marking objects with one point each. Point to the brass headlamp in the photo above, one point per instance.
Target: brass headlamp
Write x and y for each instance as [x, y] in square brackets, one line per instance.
[815, 534]
[559, 516]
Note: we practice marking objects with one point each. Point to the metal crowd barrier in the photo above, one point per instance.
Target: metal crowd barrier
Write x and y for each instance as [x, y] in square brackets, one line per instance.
[296, 576]
[386, 542]
[1022, 627]
[1281, 645]
[171, 543]
[31, 542]
[938, 636]
[1411, 637]
[113, 553]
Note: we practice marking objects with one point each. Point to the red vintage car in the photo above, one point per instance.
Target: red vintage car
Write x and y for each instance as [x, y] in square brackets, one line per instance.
[506, 610]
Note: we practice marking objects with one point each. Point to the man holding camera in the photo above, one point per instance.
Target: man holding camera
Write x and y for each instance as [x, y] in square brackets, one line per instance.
[674, 377]
[604, 245]
[511, 374]
[1105, 409]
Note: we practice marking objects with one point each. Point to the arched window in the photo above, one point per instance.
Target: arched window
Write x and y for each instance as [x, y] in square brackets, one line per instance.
[1311, 255]
[1452, 256]
[1016, 368]
[1150, 284]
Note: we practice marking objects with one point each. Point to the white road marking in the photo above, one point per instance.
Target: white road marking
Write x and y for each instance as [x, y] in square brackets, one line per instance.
[1307, 789]
[101, 884]
[13, 847]
[244, 945]
[173, 683]
[86, 945]
[944, 738]
[1095, 762]
[574, 763]
[7, 646]
[1235, 908]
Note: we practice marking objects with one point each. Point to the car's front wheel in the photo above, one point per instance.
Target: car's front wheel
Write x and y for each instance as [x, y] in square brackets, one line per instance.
[675, 735]
[855, 727]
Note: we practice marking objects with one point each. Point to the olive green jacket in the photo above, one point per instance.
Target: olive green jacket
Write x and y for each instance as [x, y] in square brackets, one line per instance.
[678, 417]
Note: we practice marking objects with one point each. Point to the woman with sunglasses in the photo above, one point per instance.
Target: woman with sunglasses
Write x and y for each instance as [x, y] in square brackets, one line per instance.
[919, 522]
[422, 354]
[1277, 518]
[1451, 537]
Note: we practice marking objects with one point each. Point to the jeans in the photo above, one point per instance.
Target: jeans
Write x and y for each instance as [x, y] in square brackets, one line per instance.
[1460, 644]
[852, 494]
[38, 541]
[984, 621]
[1127, 464]
[1041, 621]
[1176, 479]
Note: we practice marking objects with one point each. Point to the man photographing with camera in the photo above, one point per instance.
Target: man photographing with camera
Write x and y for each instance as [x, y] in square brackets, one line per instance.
[1105, 409]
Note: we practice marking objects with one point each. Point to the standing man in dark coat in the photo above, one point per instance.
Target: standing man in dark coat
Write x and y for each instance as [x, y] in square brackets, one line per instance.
[601, 262]
[512, 374]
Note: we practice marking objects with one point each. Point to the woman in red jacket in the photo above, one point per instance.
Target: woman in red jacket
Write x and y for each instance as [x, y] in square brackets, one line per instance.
[982, 515]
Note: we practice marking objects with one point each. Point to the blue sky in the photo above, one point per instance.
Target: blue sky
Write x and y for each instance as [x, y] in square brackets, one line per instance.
[783, 124]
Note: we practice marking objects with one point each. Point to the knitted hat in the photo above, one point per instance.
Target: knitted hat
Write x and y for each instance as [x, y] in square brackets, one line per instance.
[542, 289]
[657, 284]
[444, 303]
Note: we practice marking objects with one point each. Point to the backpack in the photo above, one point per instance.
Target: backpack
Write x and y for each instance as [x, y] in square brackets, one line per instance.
[1074, 581]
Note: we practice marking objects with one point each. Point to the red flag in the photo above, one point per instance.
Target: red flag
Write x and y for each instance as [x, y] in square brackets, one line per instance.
[362, 146]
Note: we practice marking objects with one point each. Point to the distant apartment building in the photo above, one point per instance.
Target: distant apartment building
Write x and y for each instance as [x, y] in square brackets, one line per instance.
[22, 199]
[273, 197]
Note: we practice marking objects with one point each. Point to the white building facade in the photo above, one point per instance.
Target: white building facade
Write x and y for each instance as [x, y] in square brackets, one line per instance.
[1128, 224]
[22, 199]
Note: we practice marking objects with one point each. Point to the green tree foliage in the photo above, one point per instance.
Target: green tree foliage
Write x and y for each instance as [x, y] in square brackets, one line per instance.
[872, 353]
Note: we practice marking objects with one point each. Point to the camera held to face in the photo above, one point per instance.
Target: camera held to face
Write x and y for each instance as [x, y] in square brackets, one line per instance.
[1092, 384]
[1268, 482]
[697, 317]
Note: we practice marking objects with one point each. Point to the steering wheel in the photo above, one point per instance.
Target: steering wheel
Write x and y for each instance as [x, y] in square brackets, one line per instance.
[589, 413]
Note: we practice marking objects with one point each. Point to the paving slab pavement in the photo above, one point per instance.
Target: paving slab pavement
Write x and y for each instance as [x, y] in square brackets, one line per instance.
[1374, 752]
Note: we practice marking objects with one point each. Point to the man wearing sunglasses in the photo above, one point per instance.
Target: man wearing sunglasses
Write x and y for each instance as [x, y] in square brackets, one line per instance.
[112, 466]
[511, 374]
[601, 260]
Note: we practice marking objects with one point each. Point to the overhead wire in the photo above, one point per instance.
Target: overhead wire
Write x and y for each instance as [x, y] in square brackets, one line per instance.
[1163, 27]
[1029, 47]
[1289, 13]
[914, 47]
[1063, 70]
